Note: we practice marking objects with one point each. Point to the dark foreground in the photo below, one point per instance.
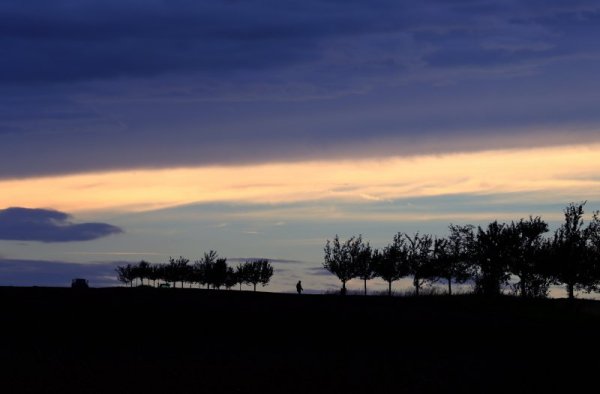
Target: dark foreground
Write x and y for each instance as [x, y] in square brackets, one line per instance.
[193, 341]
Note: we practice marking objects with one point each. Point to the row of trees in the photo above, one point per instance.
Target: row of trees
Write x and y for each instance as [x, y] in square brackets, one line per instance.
[210, 271]
[489, 256]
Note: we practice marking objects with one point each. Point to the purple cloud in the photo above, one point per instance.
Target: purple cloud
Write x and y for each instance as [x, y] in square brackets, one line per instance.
[24, 224]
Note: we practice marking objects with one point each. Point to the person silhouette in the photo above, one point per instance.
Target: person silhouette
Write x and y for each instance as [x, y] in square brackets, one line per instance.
[299, 287]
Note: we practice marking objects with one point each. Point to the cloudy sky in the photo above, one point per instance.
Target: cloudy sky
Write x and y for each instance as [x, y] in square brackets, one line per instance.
[143, 129]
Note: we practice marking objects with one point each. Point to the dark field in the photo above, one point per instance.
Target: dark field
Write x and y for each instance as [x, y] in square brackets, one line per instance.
[58, 340]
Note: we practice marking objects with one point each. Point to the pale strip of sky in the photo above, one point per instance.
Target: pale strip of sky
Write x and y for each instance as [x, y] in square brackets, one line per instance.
[549, 173]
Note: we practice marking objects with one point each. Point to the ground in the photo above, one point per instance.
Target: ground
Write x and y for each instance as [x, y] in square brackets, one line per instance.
[193, 341]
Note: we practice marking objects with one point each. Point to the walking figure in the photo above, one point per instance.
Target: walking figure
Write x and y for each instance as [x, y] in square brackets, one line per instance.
[299, 287]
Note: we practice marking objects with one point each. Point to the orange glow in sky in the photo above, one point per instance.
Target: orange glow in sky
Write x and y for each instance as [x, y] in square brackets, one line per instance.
[551, 173]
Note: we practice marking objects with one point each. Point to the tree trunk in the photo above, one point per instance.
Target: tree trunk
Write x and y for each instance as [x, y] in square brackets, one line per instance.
[571, 290]
[343, 288]
[254, 286]
[416, 283]
[523, 289]
[365, 287]
[240, 286]
[390, 288]
[449, 286]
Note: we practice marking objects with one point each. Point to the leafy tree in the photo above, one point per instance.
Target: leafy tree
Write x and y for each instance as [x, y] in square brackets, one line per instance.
[453, 256]
[594, 232]
[441, 259]
[218, 274]
[154, 273]
[178, 270]
[143, 271]
[524, 243]
[161, 272]
[573, 251]
[203, 269]
[418, 255]
[231, 278]
[361, 256]
[491, 257]
[339, 261]
[392, 263]
[241, 274]
[258, 271]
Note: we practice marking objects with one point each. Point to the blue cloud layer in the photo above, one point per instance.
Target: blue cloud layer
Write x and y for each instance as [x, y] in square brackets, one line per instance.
[56, 273]
[93, 85]
[23, 224]
[67, 41]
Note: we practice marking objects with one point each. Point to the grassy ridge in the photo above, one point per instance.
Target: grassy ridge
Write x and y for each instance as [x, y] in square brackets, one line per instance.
[182, 340]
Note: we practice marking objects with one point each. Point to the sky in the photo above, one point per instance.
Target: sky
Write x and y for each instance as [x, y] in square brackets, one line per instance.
[146, 129]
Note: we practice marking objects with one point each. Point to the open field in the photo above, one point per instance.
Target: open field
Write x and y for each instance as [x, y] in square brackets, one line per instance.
[187, 340]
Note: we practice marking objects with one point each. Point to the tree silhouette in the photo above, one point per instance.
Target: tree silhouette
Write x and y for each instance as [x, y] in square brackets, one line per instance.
[241, 274]
[258, 271]
[491, 258]
[125, 274]
[361, 256]
[442, 261]
[453, 256]
[218, 273]
[203, 269]
[524, 243]
[178, 270]
[392, 263]
[154, 273]
[339, 261]
[231, 278]
[418, 255]
[574, 262]
[143, 271]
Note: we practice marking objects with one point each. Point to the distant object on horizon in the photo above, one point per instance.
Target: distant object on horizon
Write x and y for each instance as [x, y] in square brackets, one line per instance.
[79, 283]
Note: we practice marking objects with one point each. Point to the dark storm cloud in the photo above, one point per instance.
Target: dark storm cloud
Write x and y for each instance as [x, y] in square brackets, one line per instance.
[23, 224]
[56, 273]
[96, 85]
